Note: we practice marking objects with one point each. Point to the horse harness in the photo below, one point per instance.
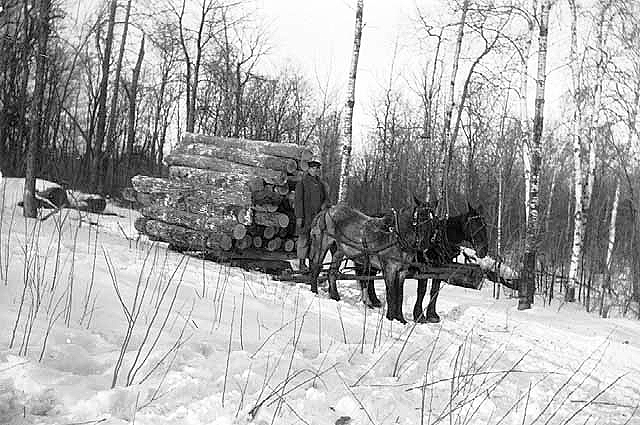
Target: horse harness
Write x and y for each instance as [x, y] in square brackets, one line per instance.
[394, 230]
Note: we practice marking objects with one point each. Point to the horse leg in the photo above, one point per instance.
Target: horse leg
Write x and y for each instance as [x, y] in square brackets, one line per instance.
[367, 288]
[389, 283]
[418, 314]
[361, 270]
[400, 276]
[318, 250]
[336, 259]
[371, 289]
[432, 316]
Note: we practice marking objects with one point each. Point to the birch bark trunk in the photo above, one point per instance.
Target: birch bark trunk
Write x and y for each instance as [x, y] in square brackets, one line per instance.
[526, 290]
[606, 282]
[524, 114]
[578, 230]
[446, 132]
[348, 119]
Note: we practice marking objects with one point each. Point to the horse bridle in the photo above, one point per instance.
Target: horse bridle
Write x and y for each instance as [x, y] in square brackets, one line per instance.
[473, 234]
[415, 224]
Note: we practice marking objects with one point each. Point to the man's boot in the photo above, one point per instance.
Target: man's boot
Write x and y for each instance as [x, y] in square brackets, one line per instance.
[302, 267]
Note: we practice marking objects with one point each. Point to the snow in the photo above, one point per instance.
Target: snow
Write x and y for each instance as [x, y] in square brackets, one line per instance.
[258, 351]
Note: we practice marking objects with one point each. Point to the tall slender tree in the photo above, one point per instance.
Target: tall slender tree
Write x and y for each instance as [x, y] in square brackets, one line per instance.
[578, 177]
[526, 290]
[97, 178]
[37, 124]
[347, 132]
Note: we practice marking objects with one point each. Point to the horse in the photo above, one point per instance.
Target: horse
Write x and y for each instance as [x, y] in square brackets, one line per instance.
[469, 227]
[390, 243]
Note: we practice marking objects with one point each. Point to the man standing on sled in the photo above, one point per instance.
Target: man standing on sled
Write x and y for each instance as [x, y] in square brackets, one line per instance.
[312, 196]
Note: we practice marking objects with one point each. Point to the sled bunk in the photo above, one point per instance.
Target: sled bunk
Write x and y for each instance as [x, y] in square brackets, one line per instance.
[463, 275]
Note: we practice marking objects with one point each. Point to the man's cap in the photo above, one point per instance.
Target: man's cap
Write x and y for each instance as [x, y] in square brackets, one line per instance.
[315, 162]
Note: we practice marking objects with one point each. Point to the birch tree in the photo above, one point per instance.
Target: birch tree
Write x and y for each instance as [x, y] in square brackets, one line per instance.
[347, 132]
[446, 130]
[526, 290]
[578, 180]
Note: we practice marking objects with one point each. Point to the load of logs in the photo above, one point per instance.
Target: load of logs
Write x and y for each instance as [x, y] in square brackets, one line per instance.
[229, 197]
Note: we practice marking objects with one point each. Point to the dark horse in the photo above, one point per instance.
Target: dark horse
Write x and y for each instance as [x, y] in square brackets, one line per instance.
[469, 227]
[391, 243]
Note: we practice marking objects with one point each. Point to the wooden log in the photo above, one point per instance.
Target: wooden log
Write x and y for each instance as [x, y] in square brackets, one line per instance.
[140, 223]
[274, 244]
[291, 197]
[303, 165]
[200, 222]
[187, 238]
[269, 232]
[239, 155]
[276, 219]
[257, 241]
[244, 243]
[196, 205]
[266, 197]
[216, 164]
[256, 184]
[232, 181]
[281, 189]
[294, 178]
[286, 150]
[89, 202]
[230, 189]
[129, 194]
[265, 208]
[289, 245]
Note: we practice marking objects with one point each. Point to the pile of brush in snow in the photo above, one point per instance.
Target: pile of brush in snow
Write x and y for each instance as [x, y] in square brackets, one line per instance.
[225, 196]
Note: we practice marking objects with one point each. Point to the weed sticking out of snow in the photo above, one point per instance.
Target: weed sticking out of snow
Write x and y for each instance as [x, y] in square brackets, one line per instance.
[109, 326]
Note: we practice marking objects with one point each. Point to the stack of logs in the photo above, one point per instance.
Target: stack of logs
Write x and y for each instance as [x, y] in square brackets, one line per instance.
[228, 197]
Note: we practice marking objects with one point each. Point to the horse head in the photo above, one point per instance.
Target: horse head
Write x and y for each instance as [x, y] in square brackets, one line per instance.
[423, 222]
[475, 230]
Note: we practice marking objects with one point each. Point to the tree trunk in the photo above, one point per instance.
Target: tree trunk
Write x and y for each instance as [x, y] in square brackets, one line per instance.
[221, 224]
[216, 164]
[259, 147]
[228, 190]
[527, 287]
[97, 179]
[524, 114]
[276, 219]
[240, 156]
[345, 164]
[30, 206]
[133, 92]
[606, 281]
[578, 177]
[274, 244]
[183, 237]
[446, 132]
[110, 137]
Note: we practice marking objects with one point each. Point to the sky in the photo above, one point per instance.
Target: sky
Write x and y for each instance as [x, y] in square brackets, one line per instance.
[317, 37]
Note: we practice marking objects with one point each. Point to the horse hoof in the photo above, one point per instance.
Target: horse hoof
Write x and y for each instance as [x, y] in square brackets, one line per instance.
[335, 297]
[421, 319]
[433, 319]
[376, 303]
[401, 320]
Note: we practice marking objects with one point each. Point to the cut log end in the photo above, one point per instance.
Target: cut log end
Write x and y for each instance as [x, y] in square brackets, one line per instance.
[239, 231]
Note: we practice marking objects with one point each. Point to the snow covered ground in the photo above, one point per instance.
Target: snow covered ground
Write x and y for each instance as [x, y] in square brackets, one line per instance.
[203, 343]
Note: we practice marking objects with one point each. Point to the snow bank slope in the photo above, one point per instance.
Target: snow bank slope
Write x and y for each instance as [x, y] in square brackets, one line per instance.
[210, 344]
